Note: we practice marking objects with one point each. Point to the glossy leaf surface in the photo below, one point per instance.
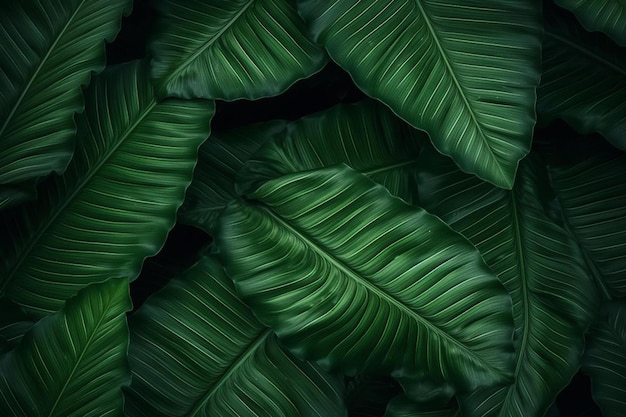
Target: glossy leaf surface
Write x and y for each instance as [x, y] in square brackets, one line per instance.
[583, 81]
[465, 71]
[118, 199]
[211, 357]
[48, 51]
[72, 363]
[346, 274]
[230, 49]
[539, 264]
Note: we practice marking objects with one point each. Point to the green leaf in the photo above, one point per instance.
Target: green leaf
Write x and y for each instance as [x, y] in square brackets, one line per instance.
[73, 363]
[368, 396]
[49, 50]
[592, 191]
[230, 49]
[358, 280]
[539, 264]
[14, 194]
[211, 357]
[117, 201]
[219, 159]
[13, 324]
[605, 360]
[465, 71]
[365, 136]
[608, 16]
[584, 80]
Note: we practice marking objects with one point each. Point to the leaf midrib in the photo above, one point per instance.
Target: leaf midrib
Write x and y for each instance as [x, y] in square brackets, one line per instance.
[24, 254]
[444, 56]
[38, 69]
[249, 350]
[204, 47]
[369, 286]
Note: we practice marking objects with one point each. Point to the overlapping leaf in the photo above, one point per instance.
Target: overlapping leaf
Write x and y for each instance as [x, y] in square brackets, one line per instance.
[73, 363]
[592, 191]
[608, 16]
[219, 159]
[230, 49]
[584, 80]
[117, 200]
[356, 279]
[47, 52]
[605, 360]
[211, 357]
[539, 264]
[465, 71]
[13, 325]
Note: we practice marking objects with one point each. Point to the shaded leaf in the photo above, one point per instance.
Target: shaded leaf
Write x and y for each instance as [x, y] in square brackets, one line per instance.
[13, 324]
[117, 200]
[346, 274]
[211, 357]
[464, 71]
[583, 81]
[73, 363]
[402, 406]
[227, 49]
[608, 16]
[605, 360]
[539, 264]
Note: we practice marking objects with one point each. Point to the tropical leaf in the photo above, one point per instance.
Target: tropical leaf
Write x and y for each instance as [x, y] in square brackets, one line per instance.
[13, 325]
[227, 49]
[365, 136]
[211, 357]
[219, 159]
[605, 360]
[539, 264]
[402, 406]
[368, 396]
[14, 194]
[347, 274]
[592, 192]
[48, 51]
[73, 363]
[117, 201]
[583, 81]
[465, 71]
[608, 16]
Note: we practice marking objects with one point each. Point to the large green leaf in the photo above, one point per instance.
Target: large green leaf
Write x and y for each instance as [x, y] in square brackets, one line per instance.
[465, 71]
[584, 80]
[356, 279]
[365, 136]
[538, 263]
[73, 363]
[605, 360]
[209, 356]
[608, 16]
[230, 49]
[117, 201]
[219, 159]
[592, 191]
[47, 52]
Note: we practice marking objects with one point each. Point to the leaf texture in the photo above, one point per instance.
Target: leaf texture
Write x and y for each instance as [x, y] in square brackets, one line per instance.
[539, 264]
[365, 136]
[464, 71]
[583, 81]
[358, 280]
[608, 16]
[48, 50]
[73, 363]
[231, 49]
[605, 360]
[117, 201]
[211, 357]
[592, 192]
[219, 159]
